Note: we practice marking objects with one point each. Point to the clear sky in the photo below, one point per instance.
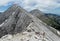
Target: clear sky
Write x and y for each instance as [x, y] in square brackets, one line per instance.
[50, 6]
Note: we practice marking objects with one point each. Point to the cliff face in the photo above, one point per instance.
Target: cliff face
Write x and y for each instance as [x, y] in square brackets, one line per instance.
[19, 25]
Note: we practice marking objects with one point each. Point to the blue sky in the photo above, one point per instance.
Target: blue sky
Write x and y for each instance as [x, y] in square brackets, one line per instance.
[49, 6]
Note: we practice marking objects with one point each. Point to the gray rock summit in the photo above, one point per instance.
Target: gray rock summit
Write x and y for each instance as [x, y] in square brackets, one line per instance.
[49, 19]
[15, 19]
[7, 13]
[39, 14]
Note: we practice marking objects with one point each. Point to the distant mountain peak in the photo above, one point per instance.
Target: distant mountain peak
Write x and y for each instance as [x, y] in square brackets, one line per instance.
[36, 11]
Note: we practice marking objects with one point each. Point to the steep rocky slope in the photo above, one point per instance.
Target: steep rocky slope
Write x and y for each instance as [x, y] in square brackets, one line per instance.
[7, 13]
[39, 15]
[23, 26]
[15, 22]
[49, 19]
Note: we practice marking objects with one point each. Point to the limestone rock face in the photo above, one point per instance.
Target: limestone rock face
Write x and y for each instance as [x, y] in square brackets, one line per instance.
[16, 22]
[7, 13]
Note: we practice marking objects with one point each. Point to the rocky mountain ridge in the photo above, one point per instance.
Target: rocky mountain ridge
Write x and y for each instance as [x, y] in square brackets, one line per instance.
[19, 21]
[50, 19]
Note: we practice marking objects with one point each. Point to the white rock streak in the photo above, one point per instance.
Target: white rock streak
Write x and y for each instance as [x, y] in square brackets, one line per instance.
[58, 32]
[1, 24]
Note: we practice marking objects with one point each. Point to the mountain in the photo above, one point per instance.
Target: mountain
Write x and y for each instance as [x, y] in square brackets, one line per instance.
[56, 19]
[14, 21]
[7, 13]
[50, 19]
[54, 16]
[39, 15]
[20, 25]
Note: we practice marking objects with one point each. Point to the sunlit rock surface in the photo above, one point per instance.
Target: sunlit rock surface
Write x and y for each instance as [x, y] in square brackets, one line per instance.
[30, 34]
[23, 26]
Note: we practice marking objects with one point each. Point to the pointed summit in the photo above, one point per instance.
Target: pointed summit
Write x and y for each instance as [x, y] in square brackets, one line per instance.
[9, 12]
[15, 20]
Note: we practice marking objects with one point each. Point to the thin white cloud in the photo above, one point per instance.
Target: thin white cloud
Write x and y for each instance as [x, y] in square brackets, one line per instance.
[4, 2]
[41, 4]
